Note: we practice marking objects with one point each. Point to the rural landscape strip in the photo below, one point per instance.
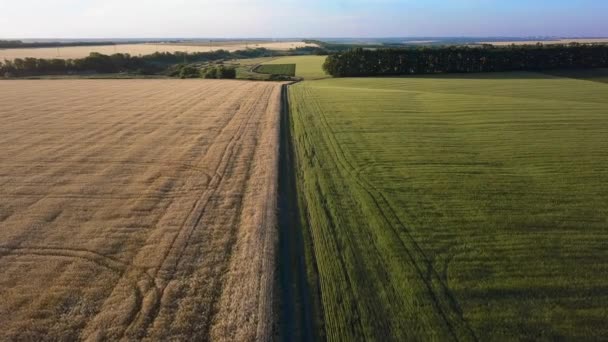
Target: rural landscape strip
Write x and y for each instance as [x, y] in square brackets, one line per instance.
[320, 210]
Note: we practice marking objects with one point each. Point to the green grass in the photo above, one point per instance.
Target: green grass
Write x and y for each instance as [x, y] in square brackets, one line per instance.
[277, 69]
[307, 67]
[456, 207]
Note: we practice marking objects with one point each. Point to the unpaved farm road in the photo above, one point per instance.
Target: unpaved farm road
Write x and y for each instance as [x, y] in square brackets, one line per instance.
[137, 209]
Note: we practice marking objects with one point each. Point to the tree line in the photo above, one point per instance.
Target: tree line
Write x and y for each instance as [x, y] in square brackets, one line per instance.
[118, 63]
[465, 59]
[211, 71]
[94, 63]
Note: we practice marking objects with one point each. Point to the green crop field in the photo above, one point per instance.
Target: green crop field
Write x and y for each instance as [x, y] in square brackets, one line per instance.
[307, 67]
[455, 207]
[277, 69]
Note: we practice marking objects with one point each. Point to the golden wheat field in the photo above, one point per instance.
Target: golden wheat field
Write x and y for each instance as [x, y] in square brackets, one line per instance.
[137, 209]
[72, 52]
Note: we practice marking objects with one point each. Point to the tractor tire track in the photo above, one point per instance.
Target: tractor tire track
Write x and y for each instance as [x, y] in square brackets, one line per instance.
[148, 186]
[453, 319]
[191, 222]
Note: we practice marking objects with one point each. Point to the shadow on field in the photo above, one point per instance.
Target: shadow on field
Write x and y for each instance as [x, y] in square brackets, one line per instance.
[597, 75]
[512, 75]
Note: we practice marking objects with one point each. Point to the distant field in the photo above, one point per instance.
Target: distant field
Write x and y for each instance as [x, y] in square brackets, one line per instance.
[277, 69]
[244, 68]
[138, 209]
[559, 41]
[141, 49]
[307, 67]
[456, 207]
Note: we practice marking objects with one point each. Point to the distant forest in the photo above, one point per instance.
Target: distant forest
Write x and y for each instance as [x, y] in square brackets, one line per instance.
[465, 59]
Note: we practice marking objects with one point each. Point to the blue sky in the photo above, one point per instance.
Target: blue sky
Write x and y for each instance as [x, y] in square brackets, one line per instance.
[290, 18]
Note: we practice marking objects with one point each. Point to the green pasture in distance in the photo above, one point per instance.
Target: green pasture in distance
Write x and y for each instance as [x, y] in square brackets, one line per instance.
[307, 67]
[277, 69]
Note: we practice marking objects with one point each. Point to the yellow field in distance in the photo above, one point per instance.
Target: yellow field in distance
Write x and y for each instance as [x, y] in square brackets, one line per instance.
[72, 52]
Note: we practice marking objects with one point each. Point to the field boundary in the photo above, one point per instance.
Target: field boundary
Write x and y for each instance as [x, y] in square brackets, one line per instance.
[301, 315]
